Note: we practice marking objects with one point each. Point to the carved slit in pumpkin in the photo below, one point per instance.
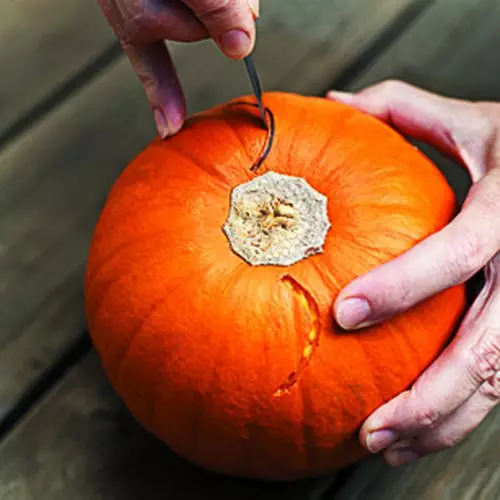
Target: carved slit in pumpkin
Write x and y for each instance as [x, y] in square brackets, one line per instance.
[268, 144]
[266, 149]
[312, 341]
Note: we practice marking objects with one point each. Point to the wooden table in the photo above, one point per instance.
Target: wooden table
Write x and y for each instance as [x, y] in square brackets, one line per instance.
[72, 114]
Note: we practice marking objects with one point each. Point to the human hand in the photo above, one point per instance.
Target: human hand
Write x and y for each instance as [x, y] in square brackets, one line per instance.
[456, 393]
[142, 27]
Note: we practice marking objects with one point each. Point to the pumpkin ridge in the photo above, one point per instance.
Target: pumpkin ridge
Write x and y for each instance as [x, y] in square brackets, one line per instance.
[215, 173]
[292, 137]
[319, 158]
[136, 334]
[134, 337]
[375, 376]
[94, 304]
[218, 354]
[312, 310]
[241, 143]
[326, 275]
[117, 251]
[307, 458]
[332, 174]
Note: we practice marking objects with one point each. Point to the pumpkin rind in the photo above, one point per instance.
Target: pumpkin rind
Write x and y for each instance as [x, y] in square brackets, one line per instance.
[198, 342]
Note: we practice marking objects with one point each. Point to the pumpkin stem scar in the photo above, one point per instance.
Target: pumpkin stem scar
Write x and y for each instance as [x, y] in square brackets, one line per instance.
[276, 219]
[309, 304]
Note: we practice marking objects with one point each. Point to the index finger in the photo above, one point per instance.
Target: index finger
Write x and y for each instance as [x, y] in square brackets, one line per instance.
[456, 376]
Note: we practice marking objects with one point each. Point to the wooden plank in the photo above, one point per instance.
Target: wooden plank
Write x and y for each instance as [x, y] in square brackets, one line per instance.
[446, 51]
[44, 43]
[51, 195]
[54, 178]
[90, 447]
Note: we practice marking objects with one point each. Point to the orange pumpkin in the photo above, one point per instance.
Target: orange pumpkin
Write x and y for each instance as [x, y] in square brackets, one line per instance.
[210, 284]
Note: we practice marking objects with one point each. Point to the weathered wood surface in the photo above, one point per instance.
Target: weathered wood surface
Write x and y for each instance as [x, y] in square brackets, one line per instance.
[81, 443]
[43, 44]
[54, 178]
[448, 50]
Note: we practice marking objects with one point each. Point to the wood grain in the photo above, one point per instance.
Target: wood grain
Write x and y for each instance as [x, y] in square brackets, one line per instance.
[448, 51]
[43, 44]
[81, 443]
[54, 178]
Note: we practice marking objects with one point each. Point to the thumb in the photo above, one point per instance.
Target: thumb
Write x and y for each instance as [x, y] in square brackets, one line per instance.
[230, 23]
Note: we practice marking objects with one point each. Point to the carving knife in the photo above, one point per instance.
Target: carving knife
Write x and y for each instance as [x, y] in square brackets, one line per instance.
[256, 87]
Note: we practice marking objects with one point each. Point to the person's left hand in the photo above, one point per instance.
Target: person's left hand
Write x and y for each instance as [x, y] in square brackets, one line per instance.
[456, 393]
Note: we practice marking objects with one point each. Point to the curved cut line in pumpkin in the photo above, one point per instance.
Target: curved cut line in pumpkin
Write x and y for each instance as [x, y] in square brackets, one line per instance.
[266, 148]
[312, 342]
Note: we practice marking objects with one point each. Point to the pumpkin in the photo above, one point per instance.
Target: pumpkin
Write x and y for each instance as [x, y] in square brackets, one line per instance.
[214, 266]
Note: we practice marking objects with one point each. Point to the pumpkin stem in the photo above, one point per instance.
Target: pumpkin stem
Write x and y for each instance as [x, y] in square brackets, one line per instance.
[276, 219]
[309, 304]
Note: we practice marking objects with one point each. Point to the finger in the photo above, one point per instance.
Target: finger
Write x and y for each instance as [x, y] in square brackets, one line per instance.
[446, 258]
[142, 23]
[457, 128]
[463, 421]
[484, 367]
[230, 23]
[451, 397]
[155, 69]
[452, 430]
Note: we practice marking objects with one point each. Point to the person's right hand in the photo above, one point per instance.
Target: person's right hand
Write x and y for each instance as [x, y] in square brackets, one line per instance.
[142, 26]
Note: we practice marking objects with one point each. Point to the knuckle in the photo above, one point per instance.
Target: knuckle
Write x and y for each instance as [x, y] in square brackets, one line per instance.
[475, 130]
[426, 417]
[129, 19]
[133, 29]
[488, 113]
[448, 440]
[484, 364]
[443, 438]
[393, 85]
[387, 88]
[490, 389]
[220, 16]
[485, 194]
[215, 10]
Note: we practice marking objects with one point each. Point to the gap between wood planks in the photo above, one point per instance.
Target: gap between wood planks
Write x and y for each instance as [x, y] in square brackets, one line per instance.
[81, 346]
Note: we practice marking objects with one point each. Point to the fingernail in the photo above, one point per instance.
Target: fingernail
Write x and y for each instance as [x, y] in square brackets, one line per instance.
[352, 312]
[338, 95]
[379, 440]
[161, 123]
[169, 120]
[235, 43]
[254, 7]
[401, 457]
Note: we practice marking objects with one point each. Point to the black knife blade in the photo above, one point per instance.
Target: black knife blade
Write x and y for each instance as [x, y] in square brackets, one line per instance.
[256, 87]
